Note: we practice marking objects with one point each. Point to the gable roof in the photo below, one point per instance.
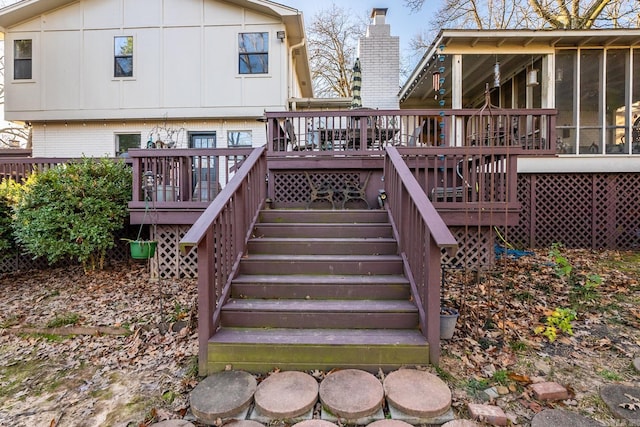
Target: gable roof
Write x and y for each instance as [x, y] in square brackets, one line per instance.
[291, 18]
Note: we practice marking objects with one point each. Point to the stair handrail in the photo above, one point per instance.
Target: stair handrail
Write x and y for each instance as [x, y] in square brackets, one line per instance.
[221, 234]
[422, 235]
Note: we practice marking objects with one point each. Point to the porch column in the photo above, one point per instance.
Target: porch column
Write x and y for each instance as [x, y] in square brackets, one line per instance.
[456, 99]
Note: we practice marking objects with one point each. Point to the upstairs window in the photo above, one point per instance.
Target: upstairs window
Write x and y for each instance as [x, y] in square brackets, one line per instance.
[254, 53]
[22, 59]
[123, 57]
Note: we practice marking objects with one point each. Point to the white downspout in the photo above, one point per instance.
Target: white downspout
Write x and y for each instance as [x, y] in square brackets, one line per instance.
[290, 69]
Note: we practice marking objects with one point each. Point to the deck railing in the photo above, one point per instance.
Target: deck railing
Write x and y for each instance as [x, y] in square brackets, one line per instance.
[363, 131]
[182, 178]
[19, 169]
[422, 234]
[468, 179]
[220, 234]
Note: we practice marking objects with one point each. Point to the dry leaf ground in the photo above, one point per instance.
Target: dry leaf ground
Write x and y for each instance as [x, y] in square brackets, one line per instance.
[141, 365]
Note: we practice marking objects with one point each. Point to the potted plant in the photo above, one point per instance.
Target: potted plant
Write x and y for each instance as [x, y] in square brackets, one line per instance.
[142, 249]
[448, 319]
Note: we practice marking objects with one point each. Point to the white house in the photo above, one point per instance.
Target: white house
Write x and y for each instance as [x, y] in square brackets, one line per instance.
[108, 75]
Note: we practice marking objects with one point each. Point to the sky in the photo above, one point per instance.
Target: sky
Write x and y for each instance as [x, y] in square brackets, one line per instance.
[403, 22]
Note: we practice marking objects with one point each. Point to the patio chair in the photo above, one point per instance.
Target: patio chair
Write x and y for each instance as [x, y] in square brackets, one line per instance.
[321, 193]
[454, 193]
[355, 191]
[286, 136]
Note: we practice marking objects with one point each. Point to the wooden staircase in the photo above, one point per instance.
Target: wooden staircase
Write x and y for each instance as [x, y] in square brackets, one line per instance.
[319, 289]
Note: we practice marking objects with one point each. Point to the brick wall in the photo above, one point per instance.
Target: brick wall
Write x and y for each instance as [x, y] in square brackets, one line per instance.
[379, 54]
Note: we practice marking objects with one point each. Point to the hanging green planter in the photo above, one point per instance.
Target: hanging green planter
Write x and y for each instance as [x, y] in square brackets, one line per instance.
[142, 249]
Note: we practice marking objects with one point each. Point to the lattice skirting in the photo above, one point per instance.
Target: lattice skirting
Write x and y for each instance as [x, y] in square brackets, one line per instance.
[168, 262]
[16, 262]
[475, 248]
[578, 210]
[292, 189]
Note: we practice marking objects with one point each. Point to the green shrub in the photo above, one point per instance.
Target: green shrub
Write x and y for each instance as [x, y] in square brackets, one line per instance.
[72, 211]
[9, 191]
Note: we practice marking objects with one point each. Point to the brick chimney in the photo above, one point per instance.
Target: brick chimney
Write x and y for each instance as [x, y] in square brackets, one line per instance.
[379, 54]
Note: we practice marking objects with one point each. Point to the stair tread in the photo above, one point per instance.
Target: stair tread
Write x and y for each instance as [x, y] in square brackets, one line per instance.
[328, 279]
[307, 306]
[319, 336]
[315, 224]
[320, 258]
[322, 239]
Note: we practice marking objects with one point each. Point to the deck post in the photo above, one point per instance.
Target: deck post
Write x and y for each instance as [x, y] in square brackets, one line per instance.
[206, 299]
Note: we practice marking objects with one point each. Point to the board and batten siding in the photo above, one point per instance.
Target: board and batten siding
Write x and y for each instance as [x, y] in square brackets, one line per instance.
[185, 62]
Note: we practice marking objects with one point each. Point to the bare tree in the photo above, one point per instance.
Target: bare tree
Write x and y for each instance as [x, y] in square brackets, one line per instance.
[333, 39]
[535, 14]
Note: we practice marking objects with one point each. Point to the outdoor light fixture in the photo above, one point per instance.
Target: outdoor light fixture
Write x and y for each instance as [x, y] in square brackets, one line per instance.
[280, 35]
[532, 77]
[382, 198]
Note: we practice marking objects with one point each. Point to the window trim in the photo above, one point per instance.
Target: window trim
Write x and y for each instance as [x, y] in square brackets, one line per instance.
[240, 131]
[117, 135]
[28, 60]
[123, 56]
[248, 54]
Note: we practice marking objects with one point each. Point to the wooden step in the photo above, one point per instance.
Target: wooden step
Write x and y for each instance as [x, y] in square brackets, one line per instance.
[332, 314]
[284, 286]
[323, 246]
[321, 264]
[323, 230]
[263, 350]
[317, 216]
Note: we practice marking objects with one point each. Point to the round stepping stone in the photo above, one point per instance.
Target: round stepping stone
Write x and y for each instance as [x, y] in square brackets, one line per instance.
[389, 423]
[618, 394]
[286, 395]
[417, 393]
[461, 423]
[351, 394]
[221, 395]
[173, 423]
[560, 417]
[314, 423]
[243, 423]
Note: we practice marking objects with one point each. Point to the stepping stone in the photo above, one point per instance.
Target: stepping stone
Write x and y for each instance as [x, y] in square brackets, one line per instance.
[222, 395]
[560, 417]
[636, 364]
[549, 391]
[314, 423]
[389, 423]
[417, 393]
[243, 423]
[173, 423]
[615, 395]
[461, 423]
[286, 395]
[489, 414]
[351, 394]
